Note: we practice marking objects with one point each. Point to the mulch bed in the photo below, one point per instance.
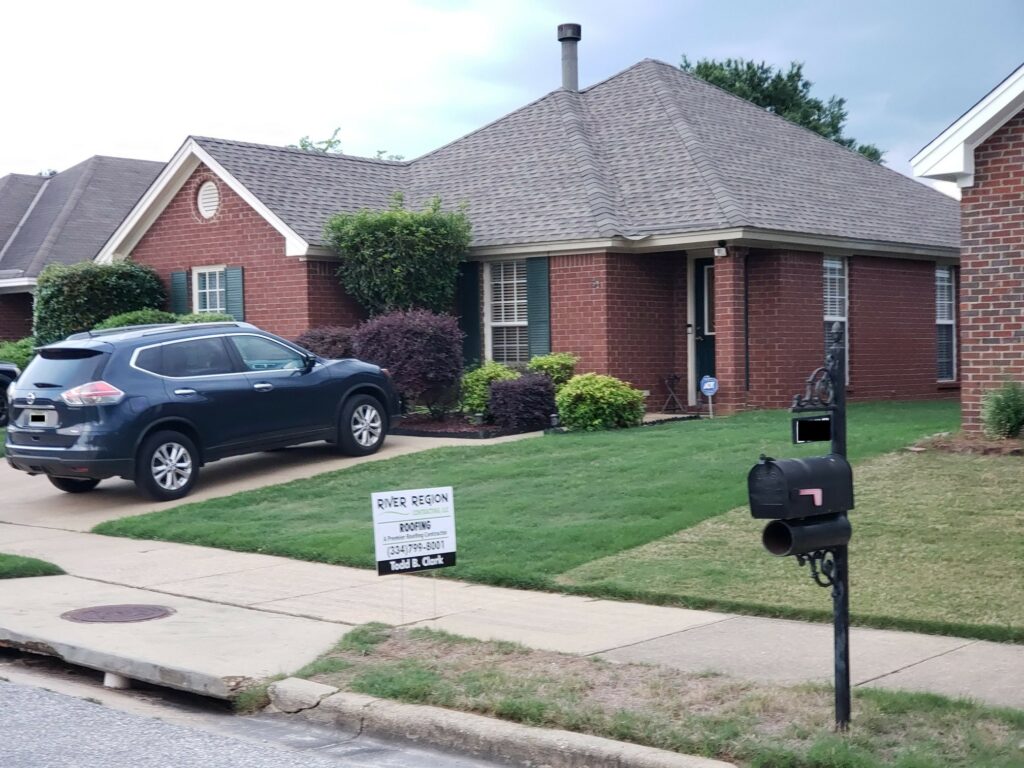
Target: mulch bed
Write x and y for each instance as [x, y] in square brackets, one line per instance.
[423, 425]
[971, 444]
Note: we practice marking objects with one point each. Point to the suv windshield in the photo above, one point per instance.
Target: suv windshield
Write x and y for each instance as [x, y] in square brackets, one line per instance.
[63, 367]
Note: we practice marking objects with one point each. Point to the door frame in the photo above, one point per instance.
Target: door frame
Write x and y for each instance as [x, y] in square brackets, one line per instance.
[691, 321]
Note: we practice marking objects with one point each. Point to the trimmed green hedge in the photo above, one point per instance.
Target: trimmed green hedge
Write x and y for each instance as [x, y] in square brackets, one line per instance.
[592, 401]
[71, 299]
[18, 352]
[138, 317]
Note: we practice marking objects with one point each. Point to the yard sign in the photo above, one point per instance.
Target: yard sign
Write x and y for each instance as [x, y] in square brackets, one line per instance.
[414, 530]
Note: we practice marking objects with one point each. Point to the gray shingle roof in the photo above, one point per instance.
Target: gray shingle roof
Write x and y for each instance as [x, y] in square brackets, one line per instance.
[652, 150]
[68, 217]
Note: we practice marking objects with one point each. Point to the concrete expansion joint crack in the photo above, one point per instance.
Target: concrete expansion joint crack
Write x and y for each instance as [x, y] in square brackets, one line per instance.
[660, 637]
[915, 663]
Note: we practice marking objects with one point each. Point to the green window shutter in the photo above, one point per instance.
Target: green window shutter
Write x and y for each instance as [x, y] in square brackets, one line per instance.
[538, 306]
[467, 307]
[234, 300]
[179, 293]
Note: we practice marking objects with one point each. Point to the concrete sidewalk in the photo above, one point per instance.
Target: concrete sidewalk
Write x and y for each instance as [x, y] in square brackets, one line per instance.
[241, 616]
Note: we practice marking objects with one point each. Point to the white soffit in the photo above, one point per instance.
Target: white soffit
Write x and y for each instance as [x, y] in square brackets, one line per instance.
[160, 193]
[950, 156]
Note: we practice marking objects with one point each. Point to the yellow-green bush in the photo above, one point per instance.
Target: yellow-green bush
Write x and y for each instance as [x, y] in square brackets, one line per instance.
[592, 401]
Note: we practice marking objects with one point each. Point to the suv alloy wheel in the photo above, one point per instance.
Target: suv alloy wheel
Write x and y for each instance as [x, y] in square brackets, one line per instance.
[168, 466]
[362, 426]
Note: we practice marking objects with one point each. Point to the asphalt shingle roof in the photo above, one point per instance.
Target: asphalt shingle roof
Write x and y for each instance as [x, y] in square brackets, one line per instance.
[66, 218]
[652, 150]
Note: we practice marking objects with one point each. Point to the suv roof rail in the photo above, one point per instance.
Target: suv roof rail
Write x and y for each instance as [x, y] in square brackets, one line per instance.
[108, 331]
[186, 326]
[150, 329]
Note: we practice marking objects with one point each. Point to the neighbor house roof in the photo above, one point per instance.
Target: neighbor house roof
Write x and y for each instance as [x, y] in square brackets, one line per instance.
[950, 155]
[650, 153]
[65, 218]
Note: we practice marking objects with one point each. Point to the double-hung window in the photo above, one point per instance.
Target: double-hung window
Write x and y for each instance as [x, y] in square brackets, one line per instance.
[945, 323]
[836, 303]
[507, 336]
[209, 290]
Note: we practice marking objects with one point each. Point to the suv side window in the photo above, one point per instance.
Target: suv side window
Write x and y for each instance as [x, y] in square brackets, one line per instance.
[196, 357]
[259, 354]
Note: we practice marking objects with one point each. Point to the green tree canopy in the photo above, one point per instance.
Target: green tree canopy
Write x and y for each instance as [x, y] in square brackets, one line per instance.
[787, 94]
[400, 259]
[331, 146]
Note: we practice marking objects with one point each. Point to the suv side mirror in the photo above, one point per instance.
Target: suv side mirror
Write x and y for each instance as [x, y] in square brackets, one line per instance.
[310, 363]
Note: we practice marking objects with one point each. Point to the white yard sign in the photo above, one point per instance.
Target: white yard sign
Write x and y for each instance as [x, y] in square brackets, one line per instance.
[414, 530]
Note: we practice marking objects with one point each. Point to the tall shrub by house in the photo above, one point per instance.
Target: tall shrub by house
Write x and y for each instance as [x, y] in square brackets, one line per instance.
[400, 259]
[1002, 411]
[421, 349]
[70, 299]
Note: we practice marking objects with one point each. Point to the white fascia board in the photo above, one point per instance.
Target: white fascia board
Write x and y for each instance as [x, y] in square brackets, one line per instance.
[160, 193]
[950, 155]
[18, 285]
[736, 236]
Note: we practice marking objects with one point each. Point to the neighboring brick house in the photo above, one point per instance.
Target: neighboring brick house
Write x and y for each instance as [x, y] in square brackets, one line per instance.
[653, 224]
[983, 152]
[60, 219]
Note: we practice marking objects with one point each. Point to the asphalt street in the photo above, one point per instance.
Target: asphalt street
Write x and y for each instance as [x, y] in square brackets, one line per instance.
[43, 729]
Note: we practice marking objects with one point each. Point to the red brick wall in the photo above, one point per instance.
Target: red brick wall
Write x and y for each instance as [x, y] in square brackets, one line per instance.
[785, 317]
[15, 316]
[283, 294]
[992, 269]
[578, 288]
[892, 326]
[730, 331]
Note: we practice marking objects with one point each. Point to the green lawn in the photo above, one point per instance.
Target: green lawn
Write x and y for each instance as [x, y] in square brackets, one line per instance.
[938, 540]
[17, 567]
[530, 510]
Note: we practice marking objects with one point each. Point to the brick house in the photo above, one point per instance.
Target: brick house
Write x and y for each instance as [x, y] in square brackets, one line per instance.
[653, 224]
[60, 219]
[983, 152]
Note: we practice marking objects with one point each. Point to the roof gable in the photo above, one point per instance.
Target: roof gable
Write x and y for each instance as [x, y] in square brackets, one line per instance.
[950, 155]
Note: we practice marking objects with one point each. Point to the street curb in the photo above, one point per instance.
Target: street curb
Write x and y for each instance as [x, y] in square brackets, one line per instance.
[488, 738]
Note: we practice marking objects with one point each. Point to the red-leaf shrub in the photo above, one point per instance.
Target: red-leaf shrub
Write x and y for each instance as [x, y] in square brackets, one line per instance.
[422, 350]
[331, 341]
[523, 403]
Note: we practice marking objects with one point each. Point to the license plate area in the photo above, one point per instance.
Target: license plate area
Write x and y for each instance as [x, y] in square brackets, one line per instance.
[34, 417]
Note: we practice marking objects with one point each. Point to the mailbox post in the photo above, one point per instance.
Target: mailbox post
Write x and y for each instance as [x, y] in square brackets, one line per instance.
[807, 501]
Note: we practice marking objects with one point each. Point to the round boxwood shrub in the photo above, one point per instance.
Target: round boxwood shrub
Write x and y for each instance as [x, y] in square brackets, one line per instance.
[592, 401]
[205, 317]
[476, 385]
[331, 341]
[19, 352]
[524, 403]
[71, 299]
[138, 317]
[558, 366]
[422, 350]
[1002, 410]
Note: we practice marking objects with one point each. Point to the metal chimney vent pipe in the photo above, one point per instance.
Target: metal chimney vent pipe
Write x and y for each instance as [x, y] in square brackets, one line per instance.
[568, 36]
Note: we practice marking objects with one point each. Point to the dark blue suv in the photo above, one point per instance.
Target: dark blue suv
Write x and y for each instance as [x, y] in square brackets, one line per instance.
[154, 403]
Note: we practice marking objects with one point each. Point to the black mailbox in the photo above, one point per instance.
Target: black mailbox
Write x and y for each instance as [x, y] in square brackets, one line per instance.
[787, 489]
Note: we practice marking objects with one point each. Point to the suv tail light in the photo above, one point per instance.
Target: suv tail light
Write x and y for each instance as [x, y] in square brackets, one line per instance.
[93, 393]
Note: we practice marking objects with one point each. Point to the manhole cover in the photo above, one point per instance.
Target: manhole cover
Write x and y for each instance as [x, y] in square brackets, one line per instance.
[117, 614]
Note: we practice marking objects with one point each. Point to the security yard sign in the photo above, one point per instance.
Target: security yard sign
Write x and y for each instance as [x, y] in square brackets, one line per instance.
[414, 530]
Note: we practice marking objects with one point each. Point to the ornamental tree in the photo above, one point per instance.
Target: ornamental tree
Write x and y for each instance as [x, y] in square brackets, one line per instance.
[400, 259]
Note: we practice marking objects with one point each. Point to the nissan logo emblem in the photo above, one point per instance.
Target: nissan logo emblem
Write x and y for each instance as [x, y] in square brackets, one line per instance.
[30, 398]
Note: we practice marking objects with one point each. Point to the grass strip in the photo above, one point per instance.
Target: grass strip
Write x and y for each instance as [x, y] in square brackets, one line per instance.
[752, 724]
[17, 567]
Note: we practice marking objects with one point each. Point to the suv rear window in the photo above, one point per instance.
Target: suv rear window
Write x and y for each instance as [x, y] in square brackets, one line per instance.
[64, 367]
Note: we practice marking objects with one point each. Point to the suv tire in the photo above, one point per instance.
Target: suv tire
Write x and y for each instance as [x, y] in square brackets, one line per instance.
[167, 466]
[361, 430]
[73, 484]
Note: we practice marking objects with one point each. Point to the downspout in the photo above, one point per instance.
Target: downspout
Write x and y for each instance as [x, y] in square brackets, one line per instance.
[746, 323]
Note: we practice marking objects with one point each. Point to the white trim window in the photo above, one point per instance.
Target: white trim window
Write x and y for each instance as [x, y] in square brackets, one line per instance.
[945, 324]
[506, 328]
[209, 290]
[836, 299]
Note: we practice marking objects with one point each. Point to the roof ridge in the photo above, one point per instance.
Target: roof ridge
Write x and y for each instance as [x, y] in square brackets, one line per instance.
[728, 206]
[42, 253]
[597, 186]
[331, 156]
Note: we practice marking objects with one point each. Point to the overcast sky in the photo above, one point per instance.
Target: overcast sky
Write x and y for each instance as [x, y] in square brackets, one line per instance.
[133, 79]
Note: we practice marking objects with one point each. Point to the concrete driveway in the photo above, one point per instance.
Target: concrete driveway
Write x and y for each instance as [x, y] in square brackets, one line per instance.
[26, 500]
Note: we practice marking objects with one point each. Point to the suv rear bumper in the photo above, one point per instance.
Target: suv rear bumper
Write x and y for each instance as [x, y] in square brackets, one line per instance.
[68, 463]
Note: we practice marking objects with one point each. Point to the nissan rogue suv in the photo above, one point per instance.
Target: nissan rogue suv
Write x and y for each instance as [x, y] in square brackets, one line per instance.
[155, 403]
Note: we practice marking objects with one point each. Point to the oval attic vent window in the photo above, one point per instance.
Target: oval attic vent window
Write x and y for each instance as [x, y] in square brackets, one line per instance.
[208, 199]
